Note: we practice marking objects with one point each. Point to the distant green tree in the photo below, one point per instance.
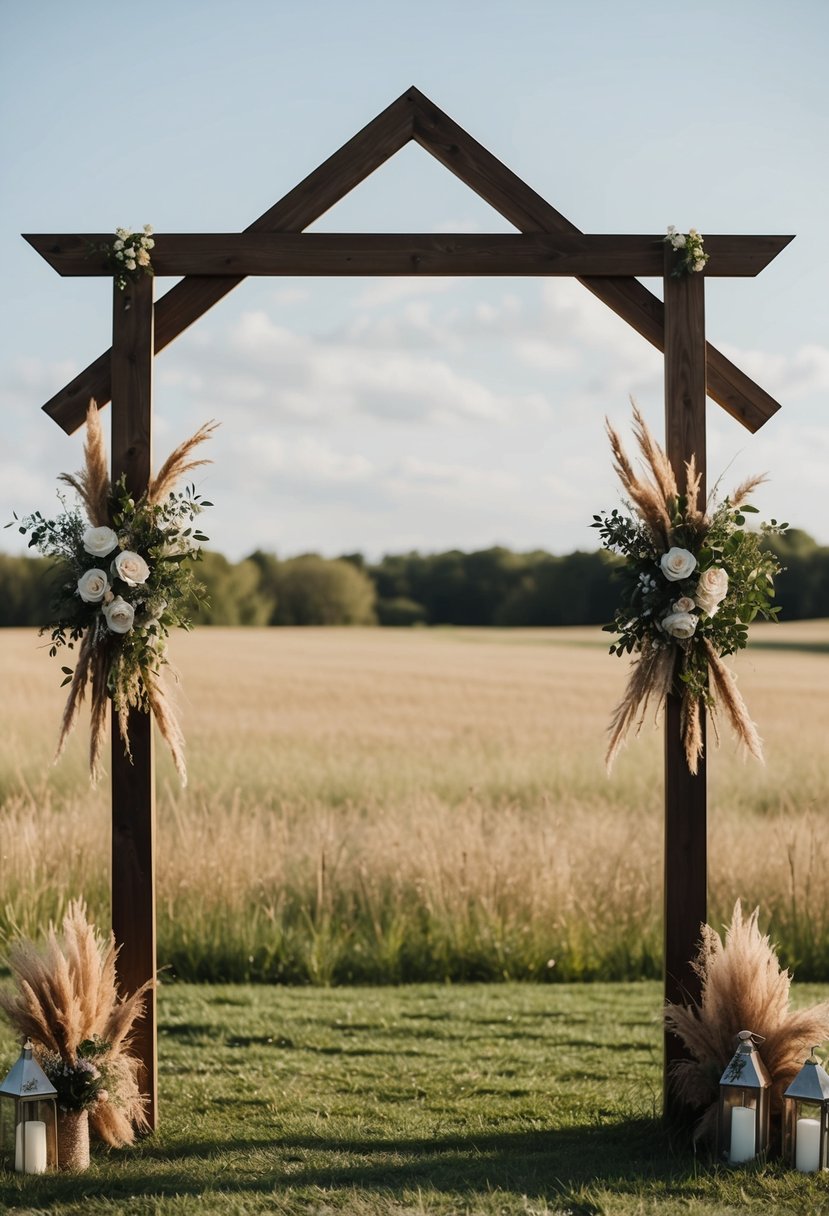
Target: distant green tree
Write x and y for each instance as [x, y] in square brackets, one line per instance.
[26, 587]
[313, 590]
[400, 610]
[802, 587]
[235, 592]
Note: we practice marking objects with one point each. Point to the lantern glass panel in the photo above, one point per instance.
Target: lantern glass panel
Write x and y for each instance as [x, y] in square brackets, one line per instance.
[743, 1122]
[35, 1140]
[806, 1135]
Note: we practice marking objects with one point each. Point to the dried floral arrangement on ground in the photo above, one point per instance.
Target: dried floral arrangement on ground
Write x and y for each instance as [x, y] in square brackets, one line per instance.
[67, 1002]
[743, 987]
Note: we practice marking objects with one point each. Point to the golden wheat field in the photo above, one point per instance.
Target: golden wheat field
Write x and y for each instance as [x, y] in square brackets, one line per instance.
[413, 804]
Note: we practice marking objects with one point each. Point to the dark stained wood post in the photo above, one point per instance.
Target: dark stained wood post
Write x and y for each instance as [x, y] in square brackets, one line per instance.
[133, 785]
[686, 856]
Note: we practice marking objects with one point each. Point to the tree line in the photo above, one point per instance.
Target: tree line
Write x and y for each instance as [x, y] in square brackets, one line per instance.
[489, 587]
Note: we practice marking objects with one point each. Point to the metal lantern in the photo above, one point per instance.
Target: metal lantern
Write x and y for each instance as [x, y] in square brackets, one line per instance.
[806, 1118]
[743, 1109]
[28, 1117]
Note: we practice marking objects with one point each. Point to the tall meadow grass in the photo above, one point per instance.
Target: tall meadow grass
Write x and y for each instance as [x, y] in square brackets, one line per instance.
[386, 806]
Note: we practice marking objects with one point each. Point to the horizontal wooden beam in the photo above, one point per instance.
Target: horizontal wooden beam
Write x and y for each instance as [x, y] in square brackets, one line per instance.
[514, 254]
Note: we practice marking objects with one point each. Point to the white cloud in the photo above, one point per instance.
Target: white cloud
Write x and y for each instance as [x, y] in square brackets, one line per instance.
[303, 378]
[786, 377]
[380, 293]
[303, 458]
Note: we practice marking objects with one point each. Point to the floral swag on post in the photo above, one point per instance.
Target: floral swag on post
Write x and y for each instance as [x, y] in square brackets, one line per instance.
[122, 580]
[693, 581]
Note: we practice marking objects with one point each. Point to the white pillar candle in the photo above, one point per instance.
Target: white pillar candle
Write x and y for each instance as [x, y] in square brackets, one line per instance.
[35, 1130]
[807, 1152]
[743, 1119]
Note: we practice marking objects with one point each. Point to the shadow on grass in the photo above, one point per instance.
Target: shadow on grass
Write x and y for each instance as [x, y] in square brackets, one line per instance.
[554, 1163]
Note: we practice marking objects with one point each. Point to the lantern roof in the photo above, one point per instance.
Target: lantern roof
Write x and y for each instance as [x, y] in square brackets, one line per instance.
[811, 1084]
[26, 1079]
[746, 1069]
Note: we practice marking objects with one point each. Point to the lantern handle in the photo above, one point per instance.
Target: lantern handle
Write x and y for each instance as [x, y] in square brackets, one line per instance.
[746, 1036]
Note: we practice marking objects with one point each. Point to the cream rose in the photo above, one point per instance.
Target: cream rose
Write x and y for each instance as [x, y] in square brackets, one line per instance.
[93, 586]
[131, 568]
[679, 624]
[119, 615]
[100, 541]
[677, 564]
[684, 604]
[712, 589]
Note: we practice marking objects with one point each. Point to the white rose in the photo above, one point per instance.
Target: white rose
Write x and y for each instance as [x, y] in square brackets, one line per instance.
[677, 564]
[712, 589]
[131, 568]
[148, 229]
[142, 257]
[119, 615]
[100, 541]
[684, 604]
[679, 624]
[93, 586]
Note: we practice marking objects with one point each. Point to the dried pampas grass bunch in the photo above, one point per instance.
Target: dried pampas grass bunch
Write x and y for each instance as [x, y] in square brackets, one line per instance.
[693, 580]
[743, 988]
[66, 998]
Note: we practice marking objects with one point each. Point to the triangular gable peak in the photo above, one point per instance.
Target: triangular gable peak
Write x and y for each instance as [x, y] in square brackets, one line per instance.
[414, 117]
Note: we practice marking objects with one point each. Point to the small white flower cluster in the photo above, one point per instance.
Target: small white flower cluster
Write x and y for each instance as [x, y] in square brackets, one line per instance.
[710, 591]
[131, 253]
[94, 585]
[694, 256]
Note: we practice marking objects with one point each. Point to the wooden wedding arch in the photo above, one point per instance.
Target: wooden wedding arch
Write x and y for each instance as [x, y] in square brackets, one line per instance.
[275, 244]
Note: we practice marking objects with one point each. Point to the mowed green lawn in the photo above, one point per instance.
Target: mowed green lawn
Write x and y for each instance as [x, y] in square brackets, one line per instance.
[495, 1099]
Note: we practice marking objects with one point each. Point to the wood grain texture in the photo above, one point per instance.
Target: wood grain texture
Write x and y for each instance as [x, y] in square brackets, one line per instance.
[686, 831]
[529, 212]
[133, 785]
[306, 202]
[518, 254]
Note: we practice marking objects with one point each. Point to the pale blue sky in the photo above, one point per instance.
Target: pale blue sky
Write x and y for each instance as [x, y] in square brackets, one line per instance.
[383, 415]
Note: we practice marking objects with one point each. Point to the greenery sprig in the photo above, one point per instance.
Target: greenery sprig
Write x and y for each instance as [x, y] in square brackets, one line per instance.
[691, 257]
[129, 254]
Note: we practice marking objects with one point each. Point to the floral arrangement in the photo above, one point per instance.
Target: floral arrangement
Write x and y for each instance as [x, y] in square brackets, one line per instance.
[67, 1002]
[123, 580]
[688, 246]
[79, 1083]
[129, 254]
[693, 580]
[742, 985]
